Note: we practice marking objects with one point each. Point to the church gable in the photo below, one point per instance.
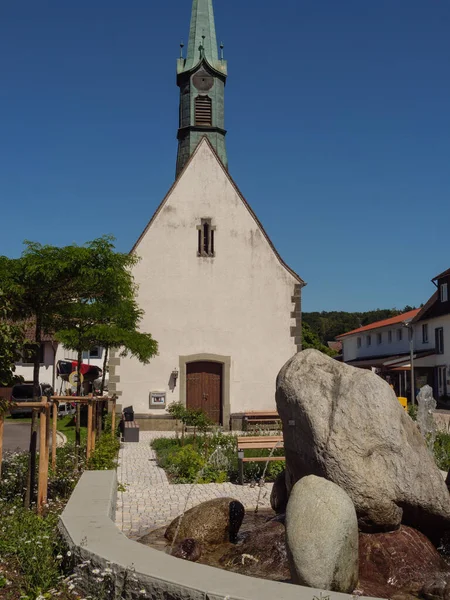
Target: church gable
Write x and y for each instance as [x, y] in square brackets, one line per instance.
[205, 212]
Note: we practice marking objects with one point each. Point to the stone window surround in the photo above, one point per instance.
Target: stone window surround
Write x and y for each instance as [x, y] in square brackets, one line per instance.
[211, 228]
[225, 361]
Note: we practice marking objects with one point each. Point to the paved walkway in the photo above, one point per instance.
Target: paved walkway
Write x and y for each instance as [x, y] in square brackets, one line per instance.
[150, 501]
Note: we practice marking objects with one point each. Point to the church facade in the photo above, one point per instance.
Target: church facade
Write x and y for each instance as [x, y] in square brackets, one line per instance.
[223, 306]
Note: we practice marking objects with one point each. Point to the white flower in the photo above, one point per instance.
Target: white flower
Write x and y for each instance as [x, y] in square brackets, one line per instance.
[96, 571]
[71, 587]
[59, 557]
[69, 553]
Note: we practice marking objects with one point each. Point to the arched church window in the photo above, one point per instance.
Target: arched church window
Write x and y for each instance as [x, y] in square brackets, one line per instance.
[206, 238]
[203, 111]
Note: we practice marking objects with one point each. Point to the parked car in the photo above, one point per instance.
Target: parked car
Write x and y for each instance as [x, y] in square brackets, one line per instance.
[65, 408]
[23, 392]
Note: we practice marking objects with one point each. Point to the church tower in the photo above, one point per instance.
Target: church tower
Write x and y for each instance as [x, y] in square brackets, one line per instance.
[201, 77]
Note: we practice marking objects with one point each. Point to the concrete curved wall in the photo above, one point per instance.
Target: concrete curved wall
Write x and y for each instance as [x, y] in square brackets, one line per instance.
[141, 572]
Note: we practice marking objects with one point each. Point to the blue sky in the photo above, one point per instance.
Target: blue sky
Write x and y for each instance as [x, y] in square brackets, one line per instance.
[338, 119]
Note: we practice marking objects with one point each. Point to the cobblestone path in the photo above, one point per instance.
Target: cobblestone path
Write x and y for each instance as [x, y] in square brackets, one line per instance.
[150, 501]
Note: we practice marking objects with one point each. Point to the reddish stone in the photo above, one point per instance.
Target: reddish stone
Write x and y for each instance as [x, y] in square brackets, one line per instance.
[400, 560]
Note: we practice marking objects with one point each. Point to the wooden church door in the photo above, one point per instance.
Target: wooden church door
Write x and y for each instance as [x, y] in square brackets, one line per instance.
[204, 389]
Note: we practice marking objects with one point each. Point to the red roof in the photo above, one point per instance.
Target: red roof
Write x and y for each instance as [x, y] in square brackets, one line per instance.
[407, 316]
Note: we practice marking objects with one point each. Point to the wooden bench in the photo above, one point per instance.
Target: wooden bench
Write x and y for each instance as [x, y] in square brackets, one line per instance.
[260, 442]
[130, 431]
[261, 418]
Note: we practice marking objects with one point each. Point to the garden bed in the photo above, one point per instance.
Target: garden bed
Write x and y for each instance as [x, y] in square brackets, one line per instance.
[33, 560]
[211, 458]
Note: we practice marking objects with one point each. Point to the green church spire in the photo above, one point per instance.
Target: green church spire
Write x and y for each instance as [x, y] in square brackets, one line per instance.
[202, 33]
[201, 77]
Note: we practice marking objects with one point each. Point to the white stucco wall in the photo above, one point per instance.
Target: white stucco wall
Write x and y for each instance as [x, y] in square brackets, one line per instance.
[352, 352]
[237, 304]
[435, 360]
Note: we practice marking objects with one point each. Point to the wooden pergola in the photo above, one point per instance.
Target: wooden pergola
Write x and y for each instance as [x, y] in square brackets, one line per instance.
[46, 408]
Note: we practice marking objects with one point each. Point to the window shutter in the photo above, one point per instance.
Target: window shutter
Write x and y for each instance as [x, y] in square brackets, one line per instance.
[203, 111]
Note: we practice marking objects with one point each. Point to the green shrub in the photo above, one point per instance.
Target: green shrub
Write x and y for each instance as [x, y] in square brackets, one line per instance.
[412, 411]
[104, 456]
[216, 454]
[185, 463]
[442, 450]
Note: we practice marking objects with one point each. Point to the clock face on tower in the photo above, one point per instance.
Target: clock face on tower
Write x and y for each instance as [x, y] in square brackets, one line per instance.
[203, 81]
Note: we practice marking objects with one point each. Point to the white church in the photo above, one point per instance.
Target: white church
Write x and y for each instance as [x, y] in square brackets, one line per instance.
[222, 304]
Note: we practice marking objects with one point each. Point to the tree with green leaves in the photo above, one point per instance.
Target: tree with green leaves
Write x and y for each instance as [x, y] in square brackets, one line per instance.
[11, 341]
[38, 285]
[311, 340]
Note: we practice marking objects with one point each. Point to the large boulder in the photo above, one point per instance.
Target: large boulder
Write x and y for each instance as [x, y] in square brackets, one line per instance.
[399, 561]
[322, 536]
[346, 425]
[212, 522]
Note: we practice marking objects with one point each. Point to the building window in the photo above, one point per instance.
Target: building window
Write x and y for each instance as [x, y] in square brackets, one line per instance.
[203, 111]
[390, 337]
[379, 338]
[94, 352]
[206, 238]
[358, 342]
[368, 340]
[29, 352]
[425, 333]
[444, 292]
[439, 334]
[399, 335]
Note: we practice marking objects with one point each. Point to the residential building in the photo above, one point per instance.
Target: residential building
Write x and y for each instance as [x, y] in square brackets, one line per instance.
[223, 306]
[386, 346]
[50, 353]
[432, 334]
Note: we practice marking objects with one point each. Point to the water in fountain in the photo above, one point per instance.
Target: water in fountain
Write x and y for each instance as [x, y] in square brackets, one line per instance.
[263, 476]
[426, 406]
[217, 459]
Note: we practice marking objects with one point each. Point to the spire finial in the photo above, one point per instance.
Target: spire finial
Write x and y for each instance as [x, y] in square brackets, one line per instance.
[221, 50]
[181, 48]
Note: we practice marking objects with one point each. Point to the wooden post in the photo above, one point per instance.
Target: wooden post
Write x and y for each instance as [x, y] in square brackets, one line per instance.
[31, 477]
[93, 427]
[47, 433]
[2, 427]
[113, 418]
[54, 428]
[241, 466]
[43, 462]
[89, 431]
[99, 417]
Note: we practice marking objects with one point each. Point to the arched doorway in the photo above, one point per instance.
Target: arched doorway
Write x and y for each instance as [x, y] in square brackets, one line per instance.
[204, 388]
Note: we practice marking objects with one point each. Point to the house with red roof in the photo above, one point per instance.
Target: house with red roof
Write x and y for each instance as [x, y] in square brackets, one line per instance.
[422, 335]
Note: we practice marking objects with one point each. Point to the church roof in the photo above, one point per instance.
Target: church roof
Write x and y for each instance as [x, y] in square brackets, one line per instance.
[202, 43]
[246, 204]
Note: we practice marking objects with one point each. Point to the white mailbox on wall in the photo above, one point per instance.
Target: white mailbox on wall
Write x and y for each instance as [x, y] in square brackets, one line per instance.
[157, 399]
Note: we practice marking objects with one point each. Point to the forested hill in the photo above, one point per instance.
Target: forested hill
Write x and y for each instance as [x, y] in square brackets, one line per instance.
[328, 325]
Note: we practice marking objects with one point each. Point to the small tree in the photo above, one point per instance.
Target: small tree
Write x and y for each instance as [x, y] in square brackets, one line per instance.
[178, 411]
